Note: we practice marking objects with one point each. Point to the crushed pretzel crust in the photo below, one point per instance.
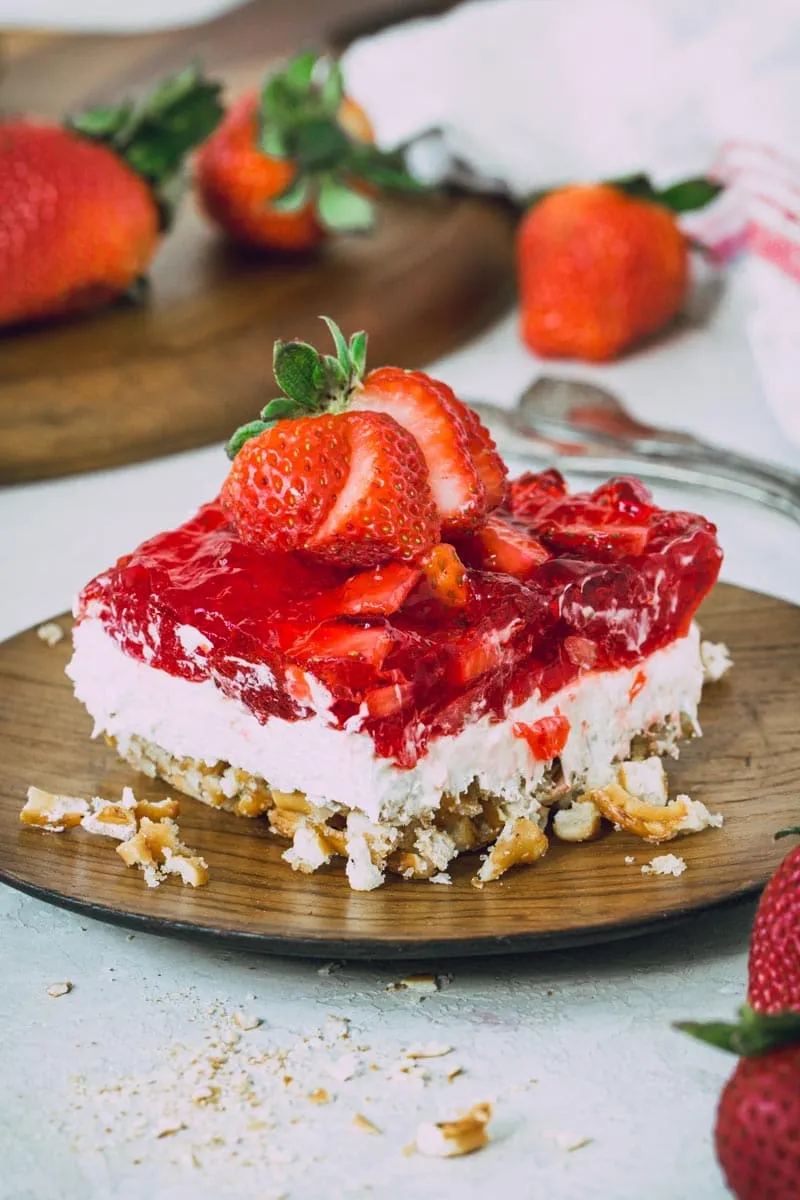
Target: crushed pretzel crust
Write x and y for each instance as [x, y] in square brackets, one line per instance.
[450, 1139]
[146, 830]
[634, 798]
[716, 660]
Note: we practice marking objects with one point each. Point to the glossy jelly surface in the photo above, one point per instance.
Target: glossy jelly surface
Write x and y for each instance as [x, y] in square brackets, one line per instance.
[565, 584]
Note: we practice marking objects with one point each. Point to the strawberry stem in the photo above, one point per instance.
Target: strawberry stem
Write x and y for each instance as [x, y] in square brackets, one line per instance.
[301, 119]
[754, 1033]
[155, 135]
[782, 833]
[311, 383]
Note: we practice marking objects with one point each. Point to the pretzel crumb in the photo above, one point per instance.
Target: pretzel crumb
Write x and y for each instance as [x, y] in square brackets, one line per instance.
[320, 1096]
[451, 1139]
[365, 1125]
[50, 633]
[665, 864]
[246, 1020]
[59, 989]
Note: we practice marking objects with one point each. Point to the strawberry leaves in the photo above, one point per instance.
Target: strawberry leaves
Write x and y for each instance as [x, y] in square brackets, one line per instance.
[754, 1033]
[686, 196]
[155, 135]
[311, 383]
[301, 119]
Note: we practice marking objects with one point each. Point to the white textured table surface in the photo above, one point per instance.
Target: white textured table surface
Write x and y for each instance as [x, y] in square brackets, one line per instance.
[91, 1078]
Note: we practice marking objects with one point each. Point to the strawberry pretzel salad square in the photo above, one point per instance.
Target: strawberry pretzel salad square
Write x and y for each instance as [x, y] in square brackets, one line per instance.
[377, 643]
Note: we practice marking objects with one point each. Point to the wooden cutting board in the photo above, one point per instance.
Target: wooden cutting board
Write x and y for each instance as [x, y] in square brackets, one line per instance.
[131, 383]
[746, 766]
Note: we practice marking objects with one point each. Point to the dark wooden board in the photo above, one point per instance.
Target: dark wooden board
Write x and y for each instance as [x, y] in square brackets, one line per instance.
[127, 383]
[747, 766]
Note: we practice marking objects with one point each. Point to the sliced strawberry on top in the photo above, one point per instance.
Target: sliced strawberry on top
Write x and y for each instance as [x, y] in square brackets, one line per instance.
[385, 509]
[489, 464]
[435, 422]
[615, 540]
[503, 544]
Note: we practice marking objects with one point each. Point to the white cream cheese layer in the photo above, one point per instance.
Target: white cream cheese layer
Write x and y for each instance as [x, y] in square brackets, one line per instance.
[340, 768]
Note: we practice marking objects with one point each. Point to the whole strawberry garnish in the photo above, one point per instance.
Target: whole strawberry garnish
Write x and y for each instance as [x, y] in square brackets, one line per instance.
[774, 967]
[360, 470]
[83, 207]
[601, 269]
[757, 1134]
[296, 161]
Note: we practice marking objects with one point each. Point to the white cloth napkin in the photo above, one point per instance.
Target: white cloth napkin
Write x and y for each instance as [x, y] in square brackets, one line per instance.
[526, 94]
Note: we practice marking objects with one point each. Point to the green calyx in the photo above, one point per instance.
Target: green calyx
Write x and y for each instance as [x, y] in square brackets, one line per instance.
[686, 196]
[751, 1035]
[154, 135]
[782, 833]
[301, 120]
[311, 383]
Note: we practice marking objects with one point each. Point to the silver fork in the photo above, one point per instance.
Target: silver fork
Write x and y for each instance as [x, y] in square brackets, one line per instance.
[581, 427]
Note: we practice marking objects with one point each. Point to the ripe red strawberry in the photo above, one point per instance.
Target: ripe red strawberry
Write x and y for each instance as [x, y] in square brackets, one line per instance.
[380, 591]
[82, 208]
[446, 576]
[757, 1134]
[295, 162]
[317, 476]
[599, 271]
[435, 421]
[774, 968]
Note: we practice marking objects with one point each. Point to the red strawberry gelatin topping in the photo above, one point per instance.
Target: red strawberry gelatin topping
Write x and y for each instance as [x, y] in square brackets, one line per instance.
[576, 583]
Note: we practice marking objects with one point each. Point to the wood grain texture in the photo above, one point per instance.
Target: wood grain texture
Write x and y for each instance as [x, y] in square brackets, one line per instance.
[126, 383]
[747, 766]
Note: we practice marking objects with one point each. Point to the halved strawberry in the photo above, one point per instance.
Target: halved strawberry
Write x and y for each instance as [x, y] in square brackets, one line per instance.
[385, 509]
[503, 544]
[435, 423]
[445, 574]
[380, 591]
[546, 737]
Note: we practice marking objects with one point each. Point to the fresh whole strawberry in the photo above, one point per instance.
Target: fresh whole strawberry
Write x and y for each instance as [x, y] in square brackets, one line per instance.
[361, 470]
[295, 162]
[774, 967]
[83, 206]
[600, 269]
[757, 1133]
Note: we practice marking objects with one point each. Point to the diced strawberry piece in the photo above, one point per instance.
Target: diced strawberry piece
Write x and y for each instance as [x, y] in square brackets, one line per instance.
[580, 651]
[503, 544]
[626, 495]
[385, 509]
[435, 423]
[474, 656]
[383, 701]
[337, 639]
[529, 493]
[546, 737]
[639, 680]
[446, 576]
[378, 592]
[616, 540]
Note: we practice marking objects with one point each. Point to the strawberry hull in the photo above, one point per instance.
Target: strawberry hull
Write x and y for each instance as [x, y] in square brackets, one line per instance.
[621, 580]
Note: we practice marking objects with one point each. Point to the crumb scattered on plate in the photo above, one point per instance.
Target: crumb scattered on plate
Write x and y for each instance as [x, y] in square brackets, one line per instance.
[665, 864]
[59, 989]
[450, 1139]
[50, 633]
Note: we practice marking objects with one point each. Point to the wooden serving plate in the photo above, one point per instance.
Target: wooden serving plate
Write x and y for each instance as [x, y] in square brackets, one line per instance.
[183, 370]
[747, 766]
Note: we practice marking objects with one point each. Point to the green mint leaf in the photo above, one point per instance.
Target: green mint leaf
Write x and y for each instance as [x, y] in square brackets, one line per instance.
[358, 353]
[296, 366]
[300, 71]
[343, 210]
[689, 195]
[243, 434]
[342, 349]
[331, 92]
[281, 409]
[293, 198]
